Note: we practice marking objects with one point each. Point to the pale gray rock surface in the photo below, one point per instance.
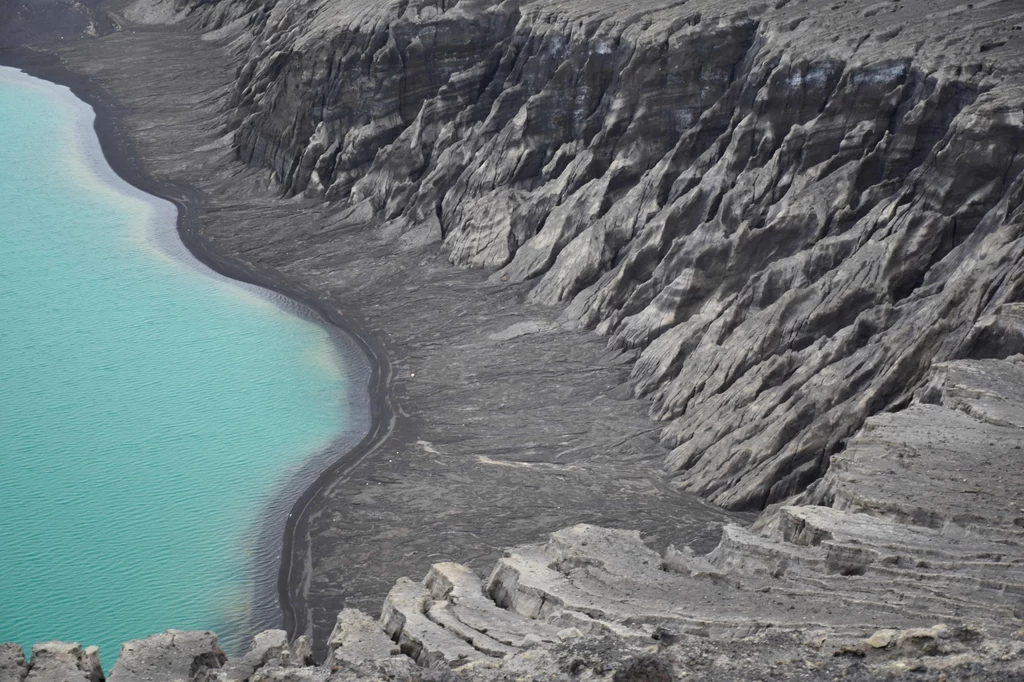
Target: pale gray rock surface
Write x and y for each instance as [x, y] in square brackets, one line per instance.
[167, 657]
[934, 653]
[406, 619]
[357, 638]
[13, 667]
[64, 662]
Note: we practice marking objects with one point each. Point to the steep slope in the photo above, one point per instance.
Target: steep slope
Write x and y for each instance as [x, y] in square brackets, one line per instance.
[787, 211]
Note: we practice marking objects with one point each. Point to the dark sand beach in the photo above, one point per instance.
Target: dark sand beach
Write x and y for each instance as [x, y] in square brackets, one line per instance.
[360, 352]
[487, 429]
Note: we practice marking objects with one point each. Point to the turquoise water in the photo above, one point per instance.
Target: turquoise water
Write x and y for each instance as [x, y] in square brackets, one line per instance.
[149, 411]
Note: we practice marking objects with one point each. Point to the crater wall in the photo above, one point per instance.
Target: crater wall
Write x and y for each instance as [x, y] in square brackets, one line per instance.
[786, 212]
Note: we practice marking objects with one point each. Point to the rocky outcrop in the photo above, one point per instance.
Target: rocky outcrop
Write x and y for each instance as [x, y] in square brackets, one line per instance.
[13, 667]
[906, 559]
[917, 523]
[786, 212]
[60, 662]
[169, 656]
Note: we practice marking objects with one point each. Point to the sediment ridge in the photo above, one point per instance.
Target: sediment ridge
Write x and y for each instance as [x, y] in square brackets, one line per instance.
[796, 224]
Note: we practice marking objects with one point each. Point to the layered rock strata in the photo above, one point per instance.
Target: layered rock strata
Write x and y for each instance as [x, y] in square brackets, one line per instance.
[785, 211]
[504, 425]
[918, 522]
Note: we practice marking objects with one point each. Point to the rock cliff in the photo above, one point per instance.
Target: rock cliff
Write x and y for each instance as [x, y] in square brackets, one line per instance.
[785, 211]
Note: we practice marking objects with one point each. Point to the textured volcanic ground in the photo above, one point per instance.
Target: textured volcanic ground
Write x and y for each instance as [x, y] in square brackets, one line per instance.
[783, 231]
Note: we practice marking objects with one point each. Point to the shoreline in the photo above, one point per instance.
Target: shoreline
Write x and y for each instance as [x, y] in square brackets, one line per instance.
[507, 422]
[122, 157]
[501, 424]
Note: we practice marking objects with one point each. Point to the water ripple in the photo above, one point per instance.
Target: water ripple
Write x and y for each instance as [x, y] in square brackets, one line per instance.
[154, 420]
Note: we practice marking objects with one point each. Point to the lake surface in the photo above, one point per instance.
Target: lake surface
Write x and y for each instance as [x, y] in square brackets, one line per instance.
[155, 419]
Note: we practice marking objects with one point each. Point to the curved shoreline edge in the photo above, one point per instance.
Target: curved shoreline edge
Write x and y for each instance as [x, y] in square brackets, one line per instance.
[123, 158]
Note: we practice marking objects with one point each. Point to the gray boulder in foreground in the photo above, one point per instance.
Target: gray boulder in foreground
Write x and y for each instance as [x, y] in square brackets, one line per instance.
[168, 656]
[13, 667]
[63, 662]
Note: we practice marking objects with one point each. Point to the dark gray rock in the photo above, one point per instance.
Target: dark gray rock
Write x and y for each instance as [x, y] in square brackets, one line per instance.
[25, 22]
[645, 669]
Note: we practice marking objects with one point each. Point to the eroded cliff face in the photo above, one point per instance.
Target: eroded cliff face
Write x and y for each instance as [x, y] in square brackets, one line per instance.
[788, 211]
